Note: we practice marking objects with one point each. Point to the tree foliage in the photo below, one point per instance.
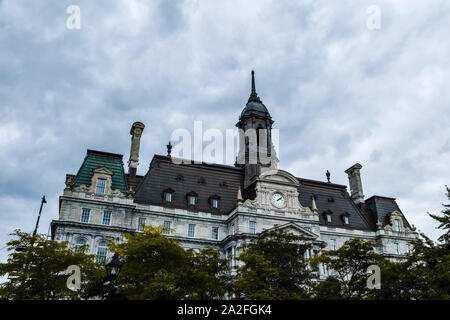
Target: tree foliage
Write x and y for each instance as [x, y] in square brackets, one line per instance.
[37, 271]
[274, 267]
[158, 267]
[348, 267]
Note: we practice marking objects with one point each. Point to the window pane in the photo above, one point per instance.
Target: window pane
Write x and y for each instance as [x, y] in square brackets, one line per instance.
[102, 251]
[333, 244]
[252, 227]
[215, 203]
[100, 188]
[167, 225]
[80, 242]
[106, 218]
[397, 226]
[215, 233]
[191, 230]
[168, 197]
[141, 223]
[346, 220]
[85, 215]
[191, 200]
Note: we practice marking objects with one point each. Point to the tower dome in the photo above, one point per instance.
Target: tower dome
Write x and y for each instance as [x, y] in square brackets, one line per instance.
[254, 105]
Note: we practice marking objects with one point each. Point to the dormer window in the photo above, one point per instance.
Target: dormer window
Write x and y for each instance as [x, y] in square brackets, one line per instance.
[100, 187]
[168, 195]
[345, 218]
[327, 216]
[191, 198]
[398, 227]
[214, 201]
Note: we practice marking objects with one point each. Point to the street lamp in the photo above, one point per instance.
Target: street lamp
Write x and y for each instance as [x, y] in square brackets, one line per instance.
[112, 270]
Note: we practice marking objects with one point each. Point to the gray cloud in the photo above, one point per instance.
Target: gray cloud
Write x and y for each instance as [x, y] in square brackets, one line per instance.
[339, 92]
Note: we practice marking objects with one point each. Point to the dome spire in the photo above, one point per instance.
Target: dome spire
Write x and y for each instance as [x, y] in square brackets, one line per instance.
[254, 95]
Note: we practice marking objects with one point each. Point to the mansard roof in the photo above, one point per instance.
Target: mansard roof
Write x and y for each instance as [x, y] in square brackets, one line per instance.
[333, 198]
[224, 181]
[382, 207]
[99, 159]
[204, 179]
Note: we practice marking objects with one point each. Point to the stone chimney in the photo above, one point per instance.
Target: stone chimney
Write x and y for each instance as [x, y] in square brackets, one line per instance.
[354, 178]
[136, 131]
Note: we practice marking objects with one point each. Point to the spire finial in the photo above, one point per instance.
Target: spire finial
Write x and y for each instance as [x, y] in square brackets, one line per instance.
[328, 174]
[253, 82]
[254, 95]
[169, 149]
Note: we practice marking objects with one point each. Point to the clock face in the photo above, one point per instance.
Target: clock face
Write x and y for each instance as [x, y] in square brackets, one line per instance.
[278, 200]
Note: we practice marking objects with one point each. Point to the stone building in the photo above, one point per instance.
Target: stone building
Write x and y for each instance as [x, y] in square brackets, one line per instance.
[221, 205]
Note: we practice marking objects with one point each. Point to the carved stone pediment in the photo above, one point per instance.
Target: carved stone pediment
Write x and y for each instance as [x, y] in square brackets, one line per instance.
[103, 171]
[279, 176]
[295, 229]
[396, 218]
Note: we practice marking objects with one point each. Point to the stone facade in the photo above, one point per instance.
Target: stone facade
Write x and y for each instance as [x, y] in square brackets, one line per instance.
[248, 204]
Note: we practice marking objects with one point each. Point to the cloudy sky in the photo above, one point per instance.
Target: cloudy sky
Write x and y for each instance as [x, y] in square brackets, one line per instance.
[339, 92]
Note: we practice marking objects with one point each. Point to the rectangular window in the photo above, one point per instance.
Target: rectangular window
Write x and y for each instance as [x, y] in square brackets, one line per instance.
[333, 244]
[168, 197]
[215, 203]
[106, 218]
[100, 188]
[230, 256]
[101, 254]
[85, 215]
[328, 217]
[141, 223]
[167, 225]
[397, 226]
[191, 230]
[252, 227]
[191, 200]
[215, 233]
[345, 219]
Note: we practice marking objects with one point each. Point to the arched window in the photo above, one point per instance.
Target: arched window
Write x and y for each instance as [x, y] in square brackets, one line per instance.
[102, 251]
[80, 242]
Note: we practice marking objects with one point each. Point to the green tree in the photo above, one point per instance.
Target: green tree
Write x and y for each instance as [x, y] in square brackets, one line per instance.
[158, 267]
[37, 271]
[274, 267]
[348, 266]
[425, 273]
[444, 221]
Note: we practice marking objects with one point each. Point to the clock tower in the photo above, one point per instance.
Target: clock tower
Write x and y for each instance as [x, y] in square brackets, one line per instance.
[256, 151]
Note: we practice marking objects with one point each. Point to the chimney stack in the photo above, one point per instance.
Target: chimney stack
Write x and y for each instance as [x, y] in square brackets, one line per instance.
[136, 131]
[354, 178]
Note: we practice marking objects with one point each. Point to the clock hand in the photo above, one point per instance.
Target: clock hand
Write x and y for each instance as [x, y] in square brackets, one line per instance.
[279, 198]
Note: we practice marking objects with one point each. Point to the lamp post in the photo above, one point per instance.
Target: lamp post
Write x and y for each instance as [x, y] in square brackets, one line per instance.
[112, 270]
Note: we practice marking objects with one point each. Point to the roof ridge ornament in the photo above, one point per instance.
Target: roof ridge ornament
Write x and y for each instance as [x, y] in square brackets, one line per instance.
[254, 96]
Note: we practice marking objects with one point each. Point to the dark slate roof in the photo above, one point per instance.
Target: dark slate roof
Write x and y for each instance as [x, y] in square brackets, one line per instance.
[332, 198]
[381, 207]
[96, 159]
[163, 174]
[204, 179]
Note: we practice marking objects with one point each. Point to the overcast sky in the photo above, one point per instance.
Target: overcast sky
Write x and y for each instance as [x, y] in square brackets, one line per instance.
[339, 92]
